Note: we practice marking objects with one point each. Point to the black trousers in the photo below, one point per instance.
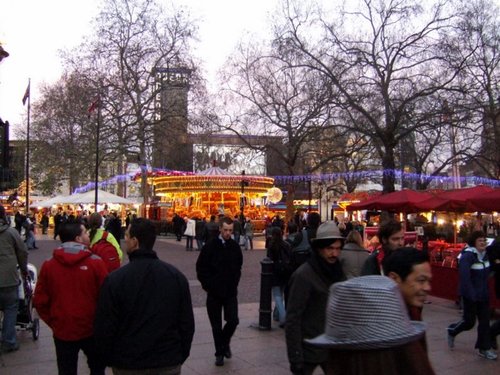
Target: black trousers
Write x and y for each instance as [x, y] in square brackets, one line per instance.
[222, 335]
[471, 310]
[67, 356]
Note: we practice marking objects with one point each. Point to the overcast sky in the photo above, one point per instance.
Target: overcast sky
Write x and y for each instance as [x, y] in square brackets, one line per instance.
[33, 31]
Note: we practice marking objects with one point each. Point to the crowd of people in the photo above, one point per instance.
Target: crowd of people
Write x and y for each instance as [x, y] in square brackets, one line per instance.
[342, 308]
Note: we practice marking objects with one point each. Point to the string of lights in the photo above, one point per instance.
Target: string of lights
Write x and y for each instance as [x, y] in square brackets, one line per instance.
[323, 178]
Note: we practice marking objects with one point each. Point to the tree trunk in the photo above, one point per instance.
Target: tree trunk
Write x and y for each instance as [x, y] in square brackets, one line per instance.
[389, 166]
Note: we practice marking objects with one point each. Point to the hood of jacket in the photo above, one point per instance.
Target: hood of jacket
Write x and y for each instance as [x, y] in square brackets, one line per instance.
[3, 225]
[71, 253]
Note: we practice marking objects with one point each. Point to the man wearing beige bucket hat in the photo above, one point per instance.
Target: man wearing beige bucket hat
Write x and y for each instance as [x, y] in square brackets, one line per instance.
[308, 296]
[368, 330]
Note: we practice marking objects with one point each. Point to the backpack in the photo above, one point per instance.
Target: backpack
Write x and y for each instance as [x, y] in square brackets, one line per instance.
[283, 266]
[302, 252]
[107, 252]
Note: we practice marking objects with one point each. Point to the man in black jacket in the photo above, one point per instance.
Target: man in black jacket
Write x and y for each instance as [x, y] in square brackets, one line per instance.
[219, 270]
[144, 318]
[391, 235]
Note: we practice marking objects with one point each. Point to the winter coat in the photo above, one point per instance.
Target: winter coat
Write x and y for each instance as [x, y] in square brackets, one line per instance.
[67, 289]
[352, 259]
[190, 228]
[218, 267]
[144, 316]
[13, 252]
[306, 308]
[473, 270]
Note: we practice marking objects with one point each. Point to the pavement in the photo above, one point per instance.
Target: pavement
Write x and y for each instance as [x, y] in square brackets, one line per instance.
[255, 351]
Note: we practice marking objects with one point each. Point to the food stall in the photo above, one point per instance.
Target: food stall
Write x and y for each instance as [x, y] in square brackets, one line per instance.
[451, 210]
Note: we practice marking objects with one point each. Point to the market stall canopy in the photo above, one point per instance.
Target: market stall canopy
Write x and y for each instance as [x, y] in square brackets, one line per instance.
[58, 199]
[454, 200]
[103, 197]
[486, 202]
[400, 201]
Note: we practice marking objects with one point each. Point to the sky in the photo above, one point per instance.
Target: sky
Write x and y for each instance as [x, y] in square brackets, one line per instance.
[33, 31]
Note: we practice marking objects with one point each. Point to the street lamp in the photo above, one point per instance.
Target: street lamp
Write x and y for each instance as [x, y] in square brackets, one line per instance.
[243, 183]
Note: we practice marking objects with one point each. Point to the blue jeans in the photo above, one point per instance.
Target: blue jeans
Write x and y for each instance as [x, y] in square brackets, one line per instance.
[279, 302]
[9, 300]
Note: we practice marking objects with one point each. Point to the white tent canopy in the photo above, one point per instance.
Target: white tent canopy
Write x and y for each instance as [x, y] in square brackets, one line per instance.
[58, 199]
[86, 198]
[103, 198]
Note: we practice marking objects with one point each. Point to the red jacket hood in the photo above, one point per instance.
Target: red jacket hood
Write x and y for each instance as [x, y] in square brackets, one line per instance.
[71, 253]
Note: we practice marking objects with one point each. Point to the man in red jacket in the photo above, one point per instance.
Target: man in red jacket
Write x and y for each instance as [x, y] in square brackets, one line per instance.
[66, 296]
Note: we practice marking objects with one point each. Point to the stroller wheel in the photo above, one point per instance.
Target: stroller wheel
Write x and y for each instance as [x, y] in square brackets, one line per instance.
[35, 329]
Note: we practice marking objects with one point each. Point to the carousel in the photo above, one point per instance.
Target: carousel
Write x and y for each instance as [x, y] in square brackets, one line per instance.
[213, 191]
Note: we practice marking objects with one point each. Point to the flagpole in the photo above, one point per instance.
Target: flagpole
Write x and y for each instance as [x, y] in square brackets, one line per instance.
[27, 205]
[96, 199]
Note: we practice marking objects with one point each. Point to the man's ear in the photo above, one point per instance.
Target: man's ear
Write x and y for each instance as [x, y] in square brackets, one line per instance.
[393, 275]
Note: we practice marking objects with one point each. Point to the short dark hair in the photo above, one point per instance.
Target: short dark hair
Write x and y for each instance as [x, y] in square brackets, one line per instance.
[292, 228]
[474, 236]
[388, 228]
[313, 219]
[227, 220]
[145, 232]
[70, 230]
[402, 261]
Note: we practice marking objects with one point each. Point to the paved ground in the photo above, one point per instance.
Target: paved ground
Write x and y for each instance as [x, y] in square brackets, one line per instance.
[254, 351]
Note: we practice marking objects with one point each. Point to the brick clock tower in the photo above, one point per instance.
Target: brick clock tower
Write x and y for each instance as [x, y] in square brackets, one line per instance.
[171, 146]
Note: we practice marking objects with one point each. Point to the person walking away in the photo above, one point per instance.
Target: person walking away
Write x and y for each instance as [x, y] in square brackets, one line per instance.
[190, 233]
[141, 328]
[200, 230]
[248, 230]
[103, 243]
[308, 297]
[473, 269]
[391, 236]
[280, 253]
[29, 231]
[59, 218]
[44, 222]
[237, 229]
[369, 332]
[211, 230]
[178, 226]
[353, 255]
[218, 269]
[13, 254]
[114, 226]
[66, 295]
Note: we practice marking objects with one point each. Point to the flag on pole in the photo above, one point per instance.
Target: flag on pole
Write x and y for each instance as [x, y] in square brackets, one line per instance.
[93, 106]
[26, 94]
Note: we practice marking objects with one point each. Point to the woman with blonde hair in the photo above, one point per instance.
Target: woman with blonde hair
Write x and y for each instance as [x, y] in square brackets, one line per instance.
[353, 255]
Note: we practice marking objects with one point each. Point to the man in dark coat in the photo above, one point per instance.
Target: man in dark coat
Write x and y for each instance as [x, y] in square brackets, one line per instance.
[114, 226]
[307, 300]
[391, 235]
[178, 226]
[140, 326]
[219, 270]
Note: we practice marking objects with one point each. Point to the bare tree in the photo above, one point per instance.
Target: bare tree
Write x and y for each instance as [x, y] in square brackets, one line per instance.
[264, 95]
[133, 39]
[476, 38]
[63, 135]
[381, 59]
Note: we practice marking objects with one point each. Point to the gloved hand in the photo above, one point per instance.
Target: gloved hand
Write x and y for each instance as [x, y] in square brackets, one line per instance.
[296, 368]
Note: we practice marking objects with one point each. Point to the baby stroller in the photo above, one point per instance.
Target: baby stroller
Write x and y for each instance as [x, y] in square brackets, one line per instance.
[26, 320]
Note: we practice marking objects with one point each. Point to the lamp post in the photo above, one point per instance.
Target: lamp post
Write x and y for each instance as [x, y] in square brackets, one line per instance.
[243, 183]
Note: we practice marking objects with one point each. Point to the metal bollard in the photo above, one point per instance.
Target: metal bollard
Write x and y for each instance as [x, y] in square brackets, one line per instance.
[265, 294]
